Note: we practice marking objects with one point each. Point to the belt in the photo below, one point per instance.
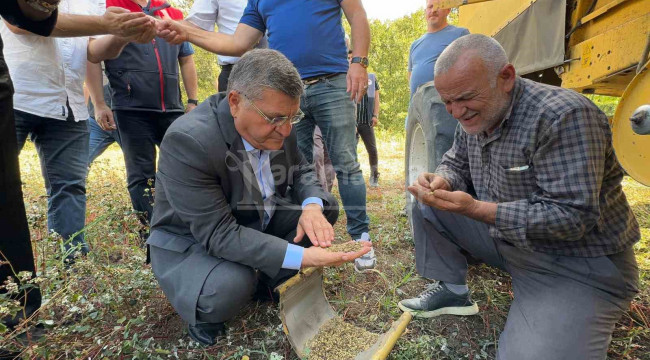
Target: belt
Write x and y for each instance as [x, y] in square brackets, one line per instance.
[225, 66]
[314, 79]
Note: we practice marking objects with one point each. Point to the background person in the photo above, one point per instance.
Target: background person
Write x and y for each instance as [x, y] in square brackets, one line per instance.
[425, 50]
[100, 109]
[367, 119]
[101, 139]
[146, 98]
[422, 58]
[205, 14]
[322, 162]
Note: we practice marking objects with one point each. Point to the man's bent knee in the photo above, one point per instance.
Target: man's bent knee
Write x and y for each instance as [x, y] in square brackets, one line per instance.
[228, 287]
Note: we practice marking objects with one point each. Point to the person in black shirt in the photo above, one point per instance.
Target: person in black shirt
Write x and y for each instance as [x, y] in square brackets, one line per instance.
[367, 119]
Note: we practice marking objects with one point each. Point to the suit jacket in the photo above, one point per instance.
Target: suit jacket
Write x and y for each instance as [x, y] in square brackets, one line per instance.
[206, 193]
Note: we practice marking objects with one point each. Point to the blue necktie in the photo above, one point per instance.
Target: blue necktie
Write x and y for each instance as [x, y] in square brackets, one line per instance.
[266, 183]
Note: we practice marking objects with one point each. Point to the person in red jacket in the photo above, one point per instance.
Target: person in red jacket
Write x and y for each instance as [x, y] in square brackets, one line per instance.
[146, 96]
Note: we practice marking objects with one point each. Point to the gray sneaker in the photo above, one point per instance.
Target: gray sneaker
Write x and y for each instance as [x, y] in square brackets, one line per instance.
[367, 261]
[438, 300]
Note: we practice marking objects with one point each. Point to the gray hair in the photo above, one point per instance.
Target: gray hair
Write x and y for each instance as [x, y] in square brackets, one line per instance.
[486, 48]
[261, 69]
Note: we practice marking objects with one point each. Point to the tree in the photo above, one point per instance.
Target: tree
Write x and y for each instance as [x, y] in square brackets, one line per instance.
[207, 69]
[389, 51]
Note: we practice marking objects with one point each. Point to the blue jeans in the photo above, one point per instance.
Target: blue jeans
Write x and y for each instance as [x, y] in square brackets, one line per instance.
[99, 139]
[62, 147]
[328, 105]
[140, 132]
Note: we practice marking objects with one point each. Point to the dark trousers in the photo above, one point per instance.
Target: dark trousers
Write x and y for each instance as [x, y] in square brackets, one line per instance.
[367, 134]
[230, 286]
[322, 162]
[62, 147]
[15, 244]
[564, 307]
[140, 132]
[223, 77]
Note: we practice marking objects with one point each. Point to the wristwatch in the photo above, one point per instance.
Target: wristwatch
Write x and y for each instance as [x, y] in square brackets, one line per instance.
[375, 115]
[192, 101]
[363, 61]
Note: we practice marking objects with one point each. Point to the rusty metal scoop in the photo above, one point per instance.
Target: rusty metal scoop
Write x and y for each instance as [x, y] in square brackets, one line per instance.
[304, 309]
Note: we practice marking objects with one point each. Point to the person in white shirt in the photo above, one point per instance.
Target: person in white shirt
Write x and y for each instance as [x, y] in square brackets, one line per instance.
[225, 14]
[48, 75]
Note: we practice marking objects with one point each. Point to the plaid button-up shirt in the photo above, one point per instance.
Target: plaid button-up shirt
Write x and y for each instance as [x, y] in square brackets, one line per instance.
[551, 169]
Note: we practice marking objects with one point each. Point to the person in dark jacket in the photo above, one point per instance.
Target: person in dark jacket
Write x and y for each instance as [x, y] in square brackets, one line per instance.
[146, 98]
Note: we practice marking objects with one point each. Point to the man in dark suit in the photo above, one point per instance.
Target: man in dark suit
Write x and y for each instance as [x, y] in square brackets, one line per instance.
[234, 197]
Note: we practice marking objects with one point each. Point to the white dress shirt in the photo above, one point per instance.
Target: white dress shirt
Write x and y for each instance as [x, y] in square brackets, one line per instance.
[46, 71]
[225, 14]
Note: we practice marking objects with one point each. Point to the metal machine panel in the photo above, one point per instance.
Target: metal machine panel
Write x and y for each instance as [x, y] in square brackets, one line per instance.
[531, 32]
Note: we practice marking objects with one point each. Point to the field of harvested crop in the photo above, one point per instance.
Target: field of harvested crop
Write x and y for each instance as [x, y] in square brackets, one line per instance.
[108, 305]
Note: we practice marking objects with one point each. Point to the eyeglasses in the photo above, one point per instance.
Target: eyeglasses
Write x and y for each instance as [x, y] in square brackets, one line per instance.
[280, 120]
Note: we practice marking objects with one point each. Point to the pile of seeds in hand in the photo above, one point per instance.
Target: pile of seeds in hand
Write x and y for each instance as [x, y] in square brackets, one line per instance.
[350, 246]
[338, 340]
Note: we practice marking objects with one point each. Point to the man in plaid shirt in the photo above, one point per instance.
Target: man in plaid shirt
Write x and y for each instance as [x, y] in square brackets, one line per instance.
[550, 209]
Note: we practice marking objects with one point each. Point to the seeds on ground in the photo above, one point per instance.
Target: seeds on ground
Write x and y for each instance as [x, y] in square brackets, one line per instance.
[338, 340]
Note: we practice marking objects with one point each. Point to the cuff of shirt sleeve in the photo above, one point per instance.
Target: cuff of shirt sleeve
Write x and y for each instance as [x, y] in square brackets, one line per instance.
[510, 222]
[312, 200]
[293, 257]
[204, 21]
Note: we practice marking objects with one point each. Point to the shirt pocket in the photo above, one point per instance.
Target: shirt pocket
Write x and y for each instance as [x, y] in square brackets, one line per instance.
[513, 183]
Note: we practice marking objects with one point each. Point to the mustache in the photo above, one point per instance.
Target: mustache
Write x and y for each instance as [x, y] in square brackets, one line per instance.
[468, 116]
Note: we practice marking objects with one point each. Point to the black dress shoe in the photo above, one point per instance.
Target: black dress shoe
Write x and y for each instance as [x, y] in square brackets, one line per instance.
[206, 333]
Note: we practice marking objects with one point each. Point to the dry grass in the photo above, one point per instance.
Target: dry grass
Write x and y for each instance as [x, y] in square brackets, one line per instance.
[110, 305]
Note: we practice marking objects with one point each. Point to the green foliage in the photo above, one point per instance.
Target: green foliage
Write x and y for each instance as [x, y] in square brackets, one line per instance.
[207, 68]
[607, 104]
[389, 51]
[207, 71]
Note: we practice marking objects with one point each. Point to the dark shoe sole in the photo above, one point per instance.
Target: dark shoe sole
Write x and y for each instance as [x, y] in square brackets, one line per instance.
[451, 310]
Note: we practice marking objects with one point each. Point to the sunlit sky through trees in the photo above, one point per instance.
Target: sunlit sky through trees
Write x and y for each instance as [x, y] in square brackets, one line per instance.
[391, 9]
